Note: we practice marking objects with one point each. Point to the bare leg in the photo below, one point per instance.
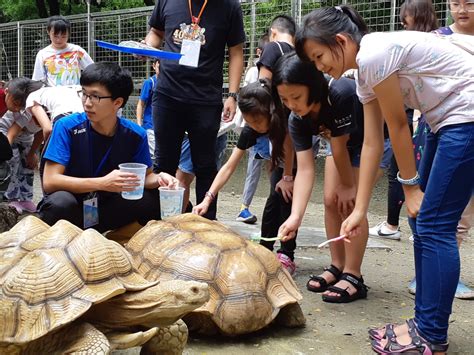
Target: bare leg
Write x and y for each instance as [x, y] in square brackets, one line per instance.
[354, 251]
[185, 181]
[332, 219]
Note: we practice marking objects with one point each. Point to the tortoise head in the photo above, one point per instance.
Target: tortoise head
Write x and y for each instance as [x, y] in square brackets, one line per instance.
[159, 305]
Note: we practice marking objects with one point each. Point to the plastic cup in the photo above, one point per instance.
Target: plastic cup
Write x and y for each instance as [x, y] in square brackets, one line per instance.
[171, 201]
[140, 171]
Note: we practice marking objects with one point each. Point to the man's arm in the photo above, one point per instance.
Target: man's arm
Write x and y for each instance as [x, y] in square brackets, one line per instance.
[55, 180]
[236, 66]
[140, 110]
[154, 37]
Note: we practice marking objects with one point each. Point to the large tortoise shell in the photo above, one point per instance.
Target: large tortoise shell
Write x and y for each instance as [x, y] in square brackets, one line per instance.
[248, 286]
[49, 276]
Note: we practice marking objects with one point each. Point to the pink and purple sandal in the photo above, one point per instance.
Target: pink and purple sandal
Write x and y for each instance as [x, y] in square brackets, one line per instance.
[418, 344]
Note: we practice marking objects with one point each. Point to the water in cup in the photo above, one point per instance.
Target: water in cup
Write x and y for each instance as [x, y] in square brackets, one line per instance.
[171, 201]
[140, 171]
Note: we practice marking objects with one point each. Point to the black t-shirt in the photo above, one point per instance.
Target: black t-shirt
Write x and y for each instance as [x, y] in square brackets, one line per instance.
[223, 24]
[342, 115]
[271, 53]
[248, 138]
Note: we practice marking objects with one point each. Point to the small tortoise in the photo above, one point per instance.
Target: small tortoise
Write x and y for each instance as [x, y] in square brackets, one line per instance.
[66, 290]
[248, 286]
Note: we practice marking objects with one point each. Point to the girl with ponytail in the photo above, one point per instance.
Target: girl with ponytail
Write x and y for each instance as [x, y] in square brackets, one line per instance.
[430, 73]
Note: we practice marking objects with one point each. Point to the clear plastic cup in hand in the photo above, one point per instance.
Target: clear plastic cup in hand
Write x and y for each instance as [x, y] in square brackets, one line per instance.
[140, 171]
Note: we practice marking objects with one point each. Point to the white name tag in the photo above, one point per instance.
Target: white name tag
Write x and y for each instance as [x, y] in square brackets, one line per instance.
[190, 51]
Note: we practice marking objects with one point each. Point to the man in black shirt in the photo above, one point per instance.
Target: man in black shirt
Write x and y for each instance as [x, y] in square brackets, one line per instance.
[188, 97]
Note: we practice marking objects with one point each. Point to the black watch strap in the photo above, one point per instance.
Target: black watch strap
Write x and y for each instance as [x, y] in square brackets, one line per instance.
[233, 95]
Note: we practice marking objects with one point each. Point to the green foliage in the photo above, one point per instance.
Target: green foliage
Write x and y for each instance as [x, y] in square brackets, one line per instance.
[26, 9]
[17, 10]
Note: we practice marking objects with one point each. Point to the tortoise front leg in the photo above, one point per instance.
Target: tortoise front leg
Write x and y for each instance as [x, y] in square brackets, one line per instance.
[169, 340]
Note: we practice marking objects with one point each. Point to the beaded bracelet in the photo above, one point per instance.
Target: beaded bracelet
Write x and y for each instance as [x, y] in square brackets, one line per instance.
[413, 181]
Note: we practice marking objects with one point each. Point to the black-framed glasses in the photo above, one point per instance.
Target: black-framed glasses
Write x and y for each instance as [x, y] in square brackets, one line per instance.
[455, 6]
[95, 99]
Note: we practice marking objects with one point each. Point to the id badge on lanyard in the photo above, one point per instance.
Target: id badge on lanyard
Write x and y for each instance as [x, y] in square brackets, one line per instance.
[90, 210]
[90, 204]
[193, 38]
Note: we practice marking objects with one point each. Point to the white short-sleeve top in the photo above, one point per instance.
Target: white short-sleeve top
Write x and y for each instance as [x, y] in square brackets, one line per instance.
[436, 76]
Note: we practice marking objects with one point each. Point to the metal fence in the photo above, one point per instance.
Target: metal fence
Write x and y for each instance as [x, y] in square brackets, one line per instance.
[20, 41]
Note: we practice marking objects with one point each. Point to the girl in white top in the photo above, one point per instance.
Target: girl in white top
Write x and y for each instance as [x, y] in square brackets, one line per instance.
[432, 74]
[60, 63]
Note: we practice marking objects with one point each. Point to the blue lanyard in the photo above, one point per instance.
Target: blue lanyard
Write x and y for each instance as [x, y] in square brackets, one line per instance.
[106, 155]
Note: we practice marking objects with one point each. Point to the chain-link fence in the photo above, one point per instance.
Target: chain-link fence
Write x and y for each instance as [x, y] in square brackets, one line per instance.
[20, 41]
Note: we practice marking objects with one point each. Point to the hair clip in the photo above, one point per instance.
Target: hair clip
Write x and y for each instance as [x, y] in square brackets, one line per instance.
[338, 8]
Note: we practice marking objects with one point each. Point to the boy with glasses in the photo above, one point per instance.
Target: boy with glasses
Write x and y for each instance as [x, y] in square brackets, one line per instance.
[85, 149]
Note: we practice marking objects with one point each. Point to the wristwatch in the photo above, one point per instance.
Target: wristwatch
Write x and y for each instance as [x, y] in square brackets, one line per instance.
[233, 95]
[288, 178]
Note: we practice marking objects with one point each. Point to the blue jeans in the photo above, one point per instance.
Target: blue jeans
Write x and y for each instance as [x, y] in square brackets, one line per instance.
[447, 178]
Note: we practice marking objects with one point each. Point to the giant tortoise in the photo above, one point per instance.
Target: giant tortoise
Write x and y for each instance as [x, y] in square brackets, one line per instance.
[248, 286]
[65, 290]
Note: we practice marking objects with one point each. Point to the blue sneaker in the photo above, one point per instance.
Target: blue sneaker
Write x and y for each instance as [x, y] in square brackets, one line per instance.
[246, 217]
[462, 291]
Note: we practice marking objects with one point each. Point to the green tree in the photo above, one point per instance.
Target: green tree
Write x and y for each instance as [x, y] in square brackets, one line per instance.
[31, 9]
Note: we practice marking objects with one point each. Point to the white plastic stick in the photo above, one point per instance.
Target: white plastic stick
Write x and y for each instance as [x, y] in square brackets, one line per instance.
[331, 240]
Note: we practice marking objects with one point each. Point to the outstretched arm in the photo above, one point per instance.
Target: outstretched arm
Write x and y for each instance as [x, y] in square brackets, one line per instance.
[371, 155]
[391, 104]
[220, 180]
[303, 186]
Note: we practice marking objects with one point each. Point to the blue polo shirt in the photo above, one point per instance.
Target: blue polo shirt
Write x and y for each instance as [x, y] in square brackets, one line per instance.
[146, 95]
[75, 145]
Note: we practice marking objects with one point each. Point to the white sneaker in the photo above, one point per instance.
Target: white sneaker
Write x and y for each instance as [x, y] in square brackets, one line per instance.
[382, 231]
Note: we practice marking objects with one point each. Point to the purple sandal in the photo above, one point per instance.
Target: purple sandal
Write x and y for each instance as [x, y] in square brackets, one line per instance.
[388, 331]
[382, 333]
[418, 344]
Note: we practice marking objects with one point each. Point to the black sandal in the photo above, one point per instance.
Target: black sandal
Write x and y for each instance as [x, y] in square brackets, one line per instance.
[323, 284]
[343, 295]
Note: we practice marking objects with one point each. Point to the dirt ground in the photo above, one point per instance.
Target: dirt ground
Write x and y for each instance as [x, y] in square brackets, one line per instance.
[332, 328]
[342, 329]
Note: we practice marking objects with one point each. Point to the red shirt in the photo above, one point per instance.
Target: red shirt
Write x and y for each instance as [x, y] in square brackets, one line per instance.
[3, 105]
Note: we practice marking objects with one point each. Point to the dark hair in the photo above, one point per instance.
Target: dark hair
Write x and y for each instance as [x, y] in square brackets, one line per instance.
[262, 41]
[322, 25]
[259, 98]
[59, 24]
[423, 13]
[284, 24]
[290, 69]
[117, 80]
[20, 88]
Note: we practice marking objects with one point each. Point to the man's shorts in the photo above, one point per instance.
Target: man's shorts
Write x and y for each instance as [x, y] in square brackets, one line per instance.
[185, 163]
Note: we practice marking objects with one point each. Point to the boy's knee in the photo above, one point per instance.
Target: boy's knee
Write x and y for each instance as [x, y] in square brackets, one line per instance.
[58, 205]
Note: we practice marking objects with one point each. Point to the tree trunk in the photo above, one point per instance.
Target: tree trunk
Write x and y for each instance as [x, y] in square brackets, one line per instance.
[53, 7]
[41, 6]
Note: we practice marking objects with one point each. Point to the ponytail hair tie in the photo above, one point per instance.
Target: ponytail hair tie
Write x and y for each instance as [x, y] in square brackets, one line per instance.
[338, 8]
